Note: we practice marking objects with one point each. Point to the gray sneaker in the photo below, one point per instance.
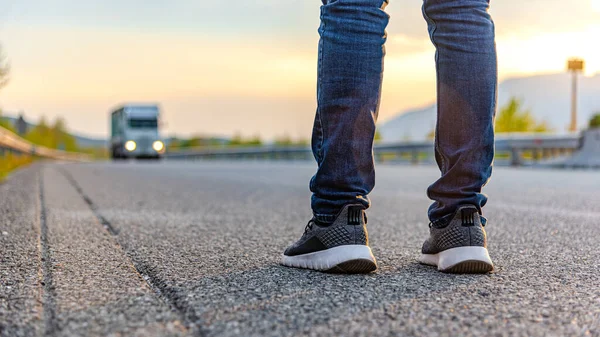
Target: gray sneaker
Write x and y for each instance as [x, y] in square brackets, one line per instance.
[460, 246]
[340, 247]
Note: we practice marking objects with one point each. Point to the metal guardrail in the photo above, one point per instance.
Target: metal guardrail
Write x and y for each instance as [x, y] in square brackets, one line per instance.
[516, 145]
[9, 142]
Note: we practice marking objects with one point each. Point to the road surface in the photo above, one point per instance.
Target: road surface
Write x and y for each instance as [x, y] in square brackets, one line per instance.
[192, 249]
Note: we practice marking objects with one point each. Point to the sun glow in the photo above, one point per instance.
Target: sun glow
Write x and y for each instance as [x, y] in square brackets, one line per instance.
[549, 52]
[596, 5]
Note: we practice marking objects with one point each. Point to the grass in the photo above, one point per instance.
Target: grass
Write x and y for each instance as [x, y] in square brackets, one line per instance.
[9, 162]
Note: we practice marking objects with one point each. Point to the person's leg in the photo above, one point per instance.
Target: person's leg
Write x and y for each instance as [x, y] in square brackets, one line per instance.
[351, 52]
[463, 33]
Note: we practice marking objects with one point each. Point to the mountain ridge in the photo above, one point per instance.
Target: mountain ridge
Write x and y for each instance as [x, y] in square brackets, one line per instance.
[548, 96]
[82, 141]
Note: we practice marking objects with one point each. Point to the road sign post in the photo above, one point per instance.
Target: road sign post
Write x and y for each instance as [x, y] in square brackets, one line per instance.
[575, 66]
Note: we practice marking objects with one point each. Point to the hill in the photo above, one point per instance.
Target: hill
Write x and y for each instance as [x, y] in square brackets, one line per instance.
[82, 141]
[548, 97]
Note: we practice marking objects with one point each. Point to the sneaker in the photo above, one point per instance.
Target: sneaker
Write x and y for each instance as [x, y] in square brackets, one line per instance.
[339, 247]
[460, 246]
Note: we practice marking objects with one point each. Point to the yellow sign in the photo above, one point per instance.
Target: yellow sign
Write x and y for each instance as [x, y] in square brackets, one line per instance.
[576, 64]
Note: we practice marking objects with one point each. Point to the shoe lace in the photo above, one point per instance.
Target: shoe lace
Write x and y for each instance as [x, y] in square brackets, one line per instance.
[309, 226]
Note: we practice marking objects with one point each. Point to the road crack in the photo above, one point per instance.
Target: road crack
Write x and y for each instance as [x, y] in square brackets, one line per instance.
[173, 297]
[49, 291]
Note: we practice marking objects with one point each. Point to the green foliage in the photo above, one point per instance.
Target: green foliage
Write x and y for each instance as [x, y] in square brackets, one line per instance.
[5, 123]
[378, 137]
[196, 141]
[513, 118]
[202, 141]
[431, 134]
[10, 162]
[174, 143]
[238, 140]
[54, 137]
[286, 140]
[595, 121]
[254, 141]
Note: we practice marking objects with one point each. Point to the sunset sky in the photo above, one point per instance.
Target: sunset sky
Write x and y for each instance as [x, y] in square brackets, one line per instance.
[218, 67]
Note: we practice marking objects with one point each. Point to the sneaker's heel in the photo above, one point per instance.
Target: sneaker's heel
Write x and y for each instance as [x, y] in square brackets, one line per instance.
[359, 266]
[465, 260]
[349, 259]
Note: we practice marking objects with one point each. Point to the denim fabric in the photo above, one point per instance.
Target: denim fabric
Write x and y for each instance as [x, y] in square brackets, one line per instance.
[351, 53]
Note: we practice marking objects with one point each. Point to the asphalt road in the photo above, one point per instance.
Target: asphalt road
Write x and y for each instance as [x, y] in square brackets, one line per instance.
[178, 249]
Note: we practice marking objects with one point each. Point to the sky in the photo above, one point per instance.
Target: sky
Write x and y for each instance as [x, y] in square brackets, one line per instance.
[222, 67]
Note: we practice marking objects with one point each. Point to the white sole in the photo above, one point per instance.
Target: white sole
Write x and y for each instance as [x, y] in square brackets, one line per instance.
[342, 259]
[463, 260]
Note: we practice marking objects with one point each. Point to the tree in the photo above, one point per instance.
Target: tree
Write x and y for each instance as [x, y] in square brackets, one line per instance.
[175, 143]
[54, 137]
[40, 134]
[61, 139]
[303, 142]
[236, 139]
[5, 123]
[378, 137]
[4, 69]
[431, 134]
[595, 121]
[254, 141]
[513, 118]
[284, 140]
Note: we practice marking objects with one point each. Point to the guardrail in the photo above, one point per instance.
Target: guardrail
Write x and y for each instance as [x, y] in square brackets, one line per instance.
[9, 142]
[519, 148]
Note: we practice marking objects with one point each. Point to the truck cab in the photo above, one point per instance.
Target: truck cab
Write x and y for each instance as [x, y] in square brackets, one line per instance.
[135, 132]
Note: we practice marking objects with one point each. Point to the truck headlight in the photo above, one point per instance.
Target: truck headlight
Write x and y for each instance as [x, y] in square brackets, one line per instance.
[130, 145]
[158, 146]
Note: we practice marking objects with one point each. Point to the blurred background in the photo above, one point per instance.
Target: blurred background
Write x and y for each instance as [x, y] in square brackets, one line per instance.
[244, 72]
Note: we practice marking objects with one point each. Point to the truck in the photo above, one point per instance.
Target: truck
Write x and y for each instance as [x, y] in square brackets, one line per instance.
[135, 132]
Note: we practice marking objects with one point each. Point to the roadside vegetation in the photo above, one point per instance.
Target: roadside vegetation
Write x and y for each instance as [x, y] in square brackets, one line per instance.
[595, 121]
[52, 136]
[513, 117]
[196, 141]
[238, 140]
[10, 162]
[286, 141]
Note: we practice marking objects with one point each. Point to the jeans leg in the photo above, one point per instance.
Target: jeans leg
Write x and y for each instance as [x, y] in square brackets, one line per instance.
[463, 33]
[351, 52]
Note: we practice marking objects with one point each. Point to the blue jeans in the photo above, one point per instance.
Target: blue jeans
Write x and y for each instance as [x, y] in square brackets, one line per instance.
[351, 53]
